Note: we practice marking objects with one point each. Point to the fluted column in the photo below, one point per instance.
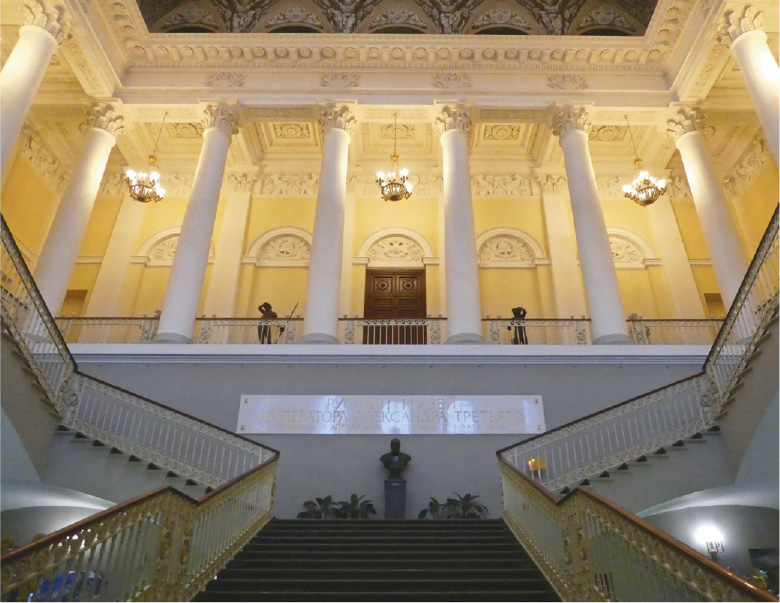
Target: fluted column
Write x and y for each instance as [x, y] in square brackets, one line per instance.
[741, 30]
[221, 294]
[59, 254]
[608, 321]
[324, 279]
[464, 313]
[22, 73]
[728, 258]
[182, 296]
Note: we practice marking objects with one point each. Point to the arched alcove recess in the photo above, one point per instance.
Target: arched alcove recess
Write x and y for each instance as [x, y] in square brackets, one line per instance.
[640, 274]
[396, 248]
[275, 269]
[159, 249]
[508, 258]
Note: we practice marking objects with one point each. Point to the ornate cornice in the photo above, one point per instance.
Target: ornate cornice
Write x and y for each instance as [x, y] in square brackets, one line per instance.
[103, 115]
[685, 121]
[453, 117]
[48, 16]
[570, 118]
[337, 116]
[739, 21]
[222, 116]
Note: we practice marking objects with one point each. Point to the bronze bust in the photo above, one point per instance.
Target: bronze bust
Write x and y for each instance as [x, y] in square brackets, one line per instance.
[395, 461]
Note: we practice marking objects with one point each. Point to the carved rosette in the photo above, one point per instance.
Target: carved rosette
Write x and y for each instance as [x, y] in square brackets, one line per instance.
[686, 120]
[50, 17]
[569, 119]
[738, 22]
[337, 117]
[221, 116]
[105, 117]
[453, 117]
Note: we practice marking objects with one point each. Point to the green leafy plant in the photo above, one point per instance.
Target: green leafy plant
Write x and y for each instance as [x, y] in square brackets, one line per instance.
[319, 508]
[355, 508]
[325, 508]
[462, 507]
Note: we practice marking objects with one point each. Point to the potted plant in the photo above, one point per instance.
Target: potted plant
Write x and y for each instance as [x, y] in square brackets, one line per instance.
[462, 507]
[325, 508]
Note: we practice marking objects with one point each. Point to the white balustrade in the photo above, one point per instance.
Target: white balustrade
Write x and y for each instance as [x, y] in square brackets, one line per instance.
[248, 330]
[543, 331]
[391, 331]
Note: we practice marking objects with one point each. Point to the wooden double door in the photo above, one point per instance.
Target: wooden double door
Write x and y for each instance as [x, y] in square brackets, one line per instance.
[394, 294]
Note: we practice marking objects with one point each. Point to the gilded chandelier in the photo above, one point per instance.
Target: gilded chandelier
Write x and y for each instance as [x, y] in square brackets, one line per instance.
[145, 186]
[645, 189]
[394, 185]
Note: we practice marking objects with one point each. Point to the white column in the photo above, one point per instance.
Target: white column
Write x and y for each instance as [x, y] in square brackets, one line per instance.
[182, 296]
[464, 313]
[24, 70]
[324, 280]
[677, 267]
[221, 294]
[608, 320]
[104, 300]
[728, 258]
[758, 66]
[566, 276]
[59, 254]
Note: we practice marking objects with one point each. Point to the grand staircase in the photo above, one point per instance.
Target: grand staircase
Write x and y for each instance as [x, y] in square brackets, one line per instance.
[381, 560]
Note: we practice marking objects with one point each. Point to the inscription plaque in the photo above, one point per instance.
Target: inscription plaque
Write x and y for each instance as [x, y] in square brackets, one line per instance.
[355, 414]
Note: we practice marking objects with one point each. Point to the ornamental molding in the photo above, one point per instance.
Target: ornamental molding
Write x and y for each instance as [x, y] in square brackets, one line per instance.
[282, 246]
[509, 248]
[225, 80]
[239, 182]
[113, 184]
[294, 16]
[104, 116]
[160, 249]
[453, 117]
[337, 116]
[750, 164]
[398, 15]
[552, 184]
[513, 186]
[501, 132]
[396, 248]
[290, 185]
[570, 118]
[501, 17]
[738, 22]
[629, 250]
[451, 80]
[603, 16]
[449, 17]
[36, 152]
[292, 131]
[567, 81]
[678, 188]
[555, 18]
[340, 80]
[608, 133]
[610, 186]
[191, 15]
[684, 122]
[48, 16]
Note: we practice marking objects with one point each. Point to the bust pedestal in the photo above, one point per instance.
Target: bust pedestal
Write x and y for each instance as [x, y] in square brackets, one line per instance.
[395, 498]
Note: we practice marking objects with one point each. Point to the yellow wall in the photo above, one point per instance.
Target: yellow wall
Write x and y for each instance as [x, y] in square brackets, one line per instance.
[502, 289]
[280, 287]
[756, 205]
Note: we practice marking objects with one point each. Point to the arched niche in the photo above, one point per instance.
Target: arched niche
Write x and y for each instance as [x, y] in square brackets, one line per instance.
[396, 248]
[629, 250]
[283, 246]
[160, 248]
[509, 248]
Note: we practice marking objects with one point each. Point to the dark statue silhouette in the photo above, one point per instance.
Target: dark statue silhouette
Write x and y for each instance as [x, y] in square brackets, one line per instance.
[395, 461]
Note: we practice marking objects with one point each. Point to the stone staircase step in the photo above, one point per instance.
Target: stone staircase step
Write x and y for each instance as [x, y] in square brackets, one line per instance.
[410, 595]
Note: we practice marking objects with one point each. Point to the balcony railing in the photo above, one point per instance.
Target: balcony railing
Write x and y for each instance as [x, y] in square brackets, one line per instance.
[162, 546]
[399, 331]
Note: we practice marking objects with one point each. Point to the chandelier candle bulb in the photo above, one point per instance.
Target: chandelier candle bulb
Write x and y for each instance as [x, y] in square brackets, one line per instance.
[392, 188]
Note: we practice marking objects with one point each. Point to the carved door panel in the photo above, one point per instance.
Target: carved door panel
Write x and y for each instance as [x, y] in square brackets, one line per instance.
[394, 294]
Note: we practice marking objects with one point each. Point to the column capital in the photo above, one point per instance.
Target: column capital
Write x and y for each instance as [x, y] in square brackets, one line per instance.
[221, 116]
[48, 16]
[685, 121]
[104, 116]
[739, 21]
[337, 116]
[453, 117]
[551, 183]
[568, 118]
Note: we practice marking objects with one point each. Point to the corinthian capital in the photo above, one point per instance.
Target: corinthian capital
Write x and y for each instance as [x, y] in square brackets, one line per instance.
[739, 21]
[105, 116]
[569, 118]
[453, 117]
[222, 116]
[48, 16]
[337, 116]
[686, 120]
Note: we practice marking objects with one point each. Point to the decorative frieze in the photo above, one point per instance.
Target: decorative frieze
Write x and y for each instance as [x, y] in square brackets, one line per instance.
[340, 80]
[398, 15]
[295, 131]
[48, 16]
[555, 18]
[552, 184]
[567, 81]
[501, 17]
[449, 17]
[294, 16]
[608, 133]
[34, 150]
[605, 17]
[105, 117]
[242, 16]
[337, 116]
[678, 188]
[239, 183]
[501, 132]
[190, 15]
[344, 15]
[501, 186]
[184, 130]
[290, 185]
[451, 80]
[226, 80]
[748, 167]
[570, 118]
[453, 117]
[391, 131]
[113, 184]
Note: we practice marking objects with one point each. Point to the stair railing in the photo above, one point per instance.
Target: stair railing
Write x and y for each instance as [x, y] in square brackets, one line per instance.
[189, 541]
[592, 550]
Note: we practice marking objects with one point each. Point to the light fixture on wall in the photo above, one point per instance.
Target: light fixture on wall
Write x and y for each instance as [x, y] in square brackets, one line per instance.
[645, 189]
[394, 186]
[145, 186]
[712, 539]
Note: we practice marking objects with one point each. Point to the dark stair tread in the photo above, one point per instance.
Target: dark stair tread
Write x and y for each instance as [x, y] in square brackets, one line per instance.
[420, 554]
[345, 573]
[455, 562]
[415, 595]
[375, 585]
